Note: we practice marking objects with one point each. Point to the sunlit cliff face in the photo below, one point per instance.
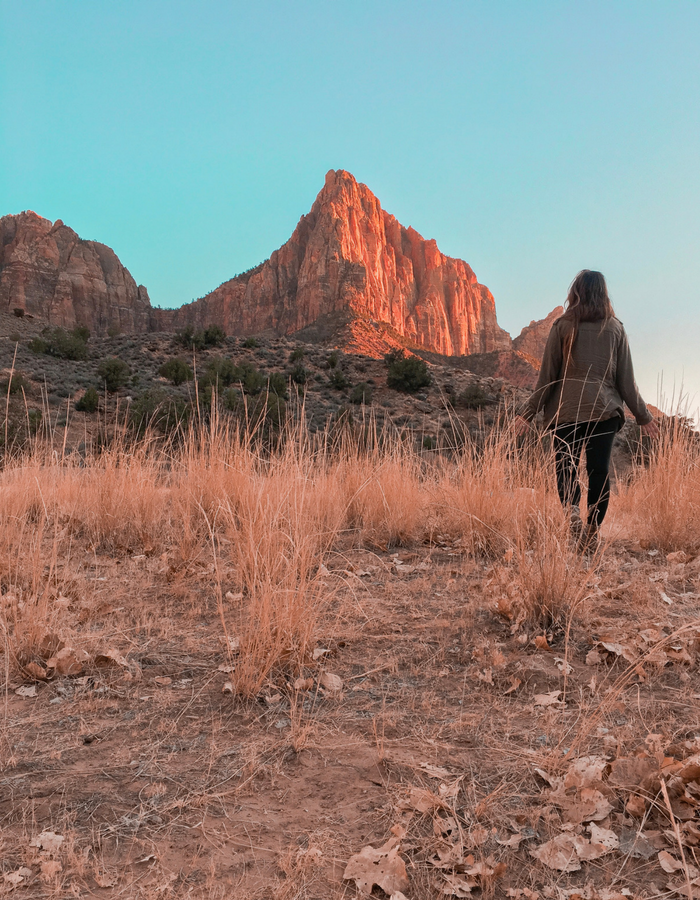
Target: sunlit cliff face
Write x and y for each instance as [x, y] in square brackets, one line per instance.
[349, 255]
[346, 257]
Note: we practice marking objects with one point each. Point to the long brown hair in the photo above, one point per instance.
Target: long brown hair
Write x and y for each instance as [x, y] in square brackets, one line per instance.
[587, 301]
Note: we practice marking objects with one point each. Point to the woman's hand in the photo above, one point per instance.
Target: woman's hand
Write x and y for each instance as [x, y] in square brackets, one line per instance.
[522, 426]
[651, 429]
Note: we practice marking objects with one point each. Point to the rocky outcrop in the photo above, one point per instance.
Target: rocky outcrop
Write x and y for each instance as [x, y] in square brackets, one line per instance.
[48, 271]
[349, 256]
[533, 337]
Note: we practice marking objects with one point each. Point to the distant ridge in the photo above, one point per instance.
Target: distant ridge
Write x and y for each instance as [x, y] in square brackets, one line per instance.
[350, 275]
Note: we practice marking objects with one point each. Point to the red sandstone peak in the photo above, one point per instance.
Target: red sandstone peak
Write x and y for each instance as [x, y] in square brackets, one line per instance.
[348, 261]
[349, 256]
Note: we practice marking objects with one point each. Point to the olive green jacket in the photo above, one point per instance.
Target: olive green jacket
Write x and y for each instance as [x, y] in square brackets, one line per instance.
[592, 385]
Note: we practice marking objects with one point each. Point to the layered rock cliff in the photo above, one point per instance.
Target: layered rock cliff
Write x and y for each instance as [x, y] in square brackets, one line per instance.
[48, 271]
[349, 256]
[533, 338]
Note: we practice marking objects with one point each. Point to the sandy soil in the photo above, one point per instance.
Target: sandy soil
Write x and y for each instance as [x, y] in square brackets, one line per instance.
[454, 739]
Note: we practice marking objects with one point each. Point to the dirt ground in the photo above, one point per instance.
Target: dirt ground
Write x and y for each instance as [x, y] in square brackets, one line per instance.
[452, 736]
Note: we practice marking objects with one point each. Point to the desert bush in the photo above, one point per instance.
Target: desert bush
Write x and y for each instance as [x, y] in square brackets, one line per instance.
[176, 370]
[160, 411]
[82, 332]
[114, 373]
[297, 354]
[18, 312]
[61, 344]
[15, 384]
[299, 375]
[472, 397]
[361, 393]
[407, 373]
[250, 343]
[332, 359]
[277, 384]
[337, 379]
[89, 401]
[191, 339]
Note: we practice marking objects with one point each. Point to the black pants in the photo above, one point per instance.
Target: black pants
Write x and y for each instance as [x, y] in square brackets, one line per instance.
[596, 438]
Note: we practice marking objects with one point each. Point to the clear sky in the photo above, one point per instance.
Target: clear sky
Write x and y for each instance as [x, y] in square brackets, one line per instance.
[531, 138]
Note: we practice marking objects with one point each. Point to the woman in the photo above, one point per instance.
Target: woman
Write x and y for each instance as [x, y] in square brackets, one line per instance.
[586, 375]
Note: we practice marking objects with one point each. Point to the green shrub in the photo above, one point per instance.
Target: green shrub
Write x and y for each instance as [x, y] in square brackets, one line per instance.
[250, 343]
[114, 372]
[214, 336]
[429, 443]
[176, 370]
[332, 359]
[297, 354]
[233, 401]
[15, 337]
[82, 332]
[252, 380]
[222, 372]
[190, 339]
[472, 397]
[299, 375]
[19, 312]
[211, 336]
[16, 383]
[159, 410]
[277, 384]
[361, 393]
[61, 344]
[113, 330]
[407, 373]
[89, 401]
[338, 380]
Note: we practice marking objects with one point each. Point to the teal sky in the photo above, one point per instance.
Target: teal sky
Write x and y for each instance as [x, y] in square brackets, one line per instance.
[530, 138]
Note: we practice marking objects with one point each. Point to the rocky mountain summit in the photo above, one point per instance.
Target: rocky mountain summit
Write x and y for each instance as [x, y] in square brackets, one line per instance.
[350, 276]
[348, 258]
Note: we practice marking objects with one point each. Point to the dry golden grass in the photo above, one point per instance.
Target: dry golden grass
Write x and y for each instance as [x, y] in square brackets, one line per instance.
[274, 517]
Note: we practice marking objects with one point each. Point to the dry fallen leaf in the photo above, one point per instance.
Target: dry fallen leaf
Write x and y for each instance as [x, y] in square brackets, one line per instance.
[383, 867]
[541, 642]
[16, 878]
[670, 865]
[559, 853]
[514, 685]
[319, 652]
[35, 671]
[163, 680]
[585, 771]
[458, 886]
[549, 699]
[603, 836]
[110, 657]
[68, 661]
[434, 771]
[513, 841]
[594, 658]
[26, 690]
[48, 841]
[332, 683]
[421, 800]
[227, 688]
